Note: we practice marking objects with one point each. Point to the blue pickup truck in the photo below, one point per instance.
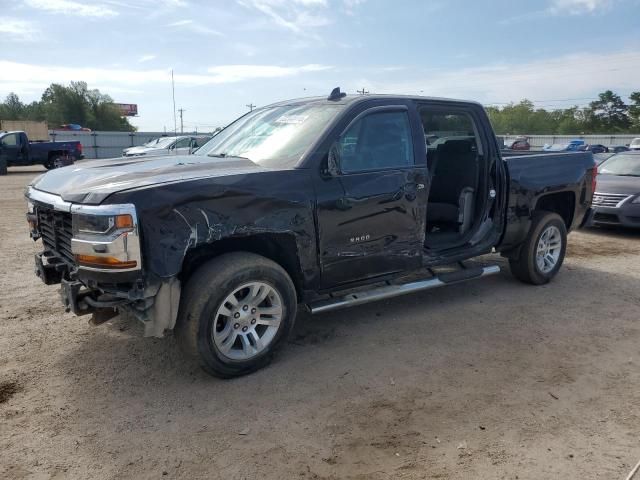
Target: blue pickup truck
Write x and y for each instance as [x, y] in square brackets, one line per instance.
[16, 150]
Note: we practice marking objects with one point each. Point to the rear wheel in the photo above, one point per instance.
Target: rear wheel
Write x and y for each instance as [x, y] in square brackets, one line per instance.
[543, 251]
[3, 165]
[235, 312]
[58, 161]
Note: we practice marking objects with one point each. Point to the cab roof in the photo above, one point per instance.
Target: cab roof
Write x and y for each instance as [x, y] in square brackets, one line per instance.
[354, 99]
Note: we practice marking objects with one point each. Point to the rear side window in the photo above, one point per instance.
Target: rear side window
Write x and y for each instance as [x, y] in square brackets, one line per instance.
[377, 141]
[441, 126]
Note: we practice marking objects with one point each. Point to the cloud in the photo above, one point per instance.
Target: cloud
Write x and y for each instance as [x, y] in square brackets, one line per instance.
[195, 27]
[558, 8]
[578, 7]
[293, 15]
[71, 7]
[566, 77]
[18, 30]
[26, 78]
[146, 58]
[238, 73]
[350, 6]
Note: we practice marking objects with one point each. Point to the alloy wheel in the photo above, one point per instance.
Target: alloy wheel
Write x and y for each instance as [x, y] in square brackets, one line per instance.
[247, 321]
[548, 249]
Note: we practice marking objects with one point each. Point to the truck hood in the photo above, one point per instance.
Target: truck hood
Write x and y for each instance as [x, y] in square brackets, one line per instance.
[93, 181]
[618, 184]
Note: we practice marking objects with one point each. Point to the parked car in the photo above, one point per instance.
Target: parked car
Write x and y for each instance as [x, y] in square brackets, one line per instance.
[518, 144]
[74, 127]
[618, 148]
[635, 144]
[181, 145]
[16, 151]
[617, 199]
[323, 202]
[573, 146]
[596, 148]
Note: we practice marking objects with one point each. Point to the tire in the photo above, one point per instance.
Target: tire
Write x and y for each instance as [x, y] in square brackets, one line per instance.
[58, 162]
[223, 337]
[3, 165]
[527, 267]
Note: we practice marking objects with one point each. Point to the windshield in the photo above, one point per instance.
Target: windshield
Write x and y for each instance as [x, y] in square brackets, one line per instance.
[162, 142]
[636, 141]
[621, 164]
[151, 143]
[272, 136]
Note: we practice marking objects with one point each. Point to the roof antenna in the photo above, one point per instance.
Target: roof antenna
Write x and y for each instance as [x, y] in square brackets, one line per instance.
[336, 94]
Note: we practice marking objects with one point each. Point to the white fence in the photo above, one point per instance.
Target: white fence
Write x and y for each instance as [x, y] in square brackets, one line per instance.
[608, 140]
[106, 144]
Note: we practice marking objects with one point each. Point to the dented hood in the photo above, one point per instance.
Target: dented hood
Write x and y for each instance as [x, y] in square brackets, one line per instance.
[93, 181]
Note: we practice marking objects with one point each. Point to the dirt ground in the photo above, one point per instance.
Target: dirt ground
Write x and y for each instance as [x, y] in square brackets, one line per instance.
[491, 379]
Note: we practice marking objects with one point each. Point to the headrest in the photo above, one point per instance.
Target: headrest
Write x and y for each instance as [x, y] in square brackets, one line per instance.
[455, 146]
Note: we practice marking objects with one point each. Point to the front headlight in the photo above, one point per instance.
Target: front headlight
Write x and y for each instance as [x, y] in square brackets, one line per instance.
[636, 200]
[101, 224]
[105, 238]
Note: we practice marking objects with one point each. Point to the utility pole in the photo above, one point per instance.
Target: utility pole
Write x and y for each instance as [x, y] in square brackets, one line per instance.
[173, 95]
[181, 110]
[251, 106]
[363, 91]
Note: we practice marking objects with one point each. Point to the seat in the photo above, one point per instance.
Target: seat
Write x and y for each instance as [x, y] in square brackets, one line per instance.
[452, 194]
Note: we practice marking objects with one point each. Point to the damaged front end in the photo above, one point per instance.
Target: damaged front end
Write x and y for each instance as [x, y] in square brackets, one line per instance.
[94, 253]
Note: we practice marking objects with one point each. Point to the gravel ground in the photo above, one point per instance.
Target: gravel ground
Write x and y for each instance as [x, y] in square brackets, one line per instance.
[488, 379]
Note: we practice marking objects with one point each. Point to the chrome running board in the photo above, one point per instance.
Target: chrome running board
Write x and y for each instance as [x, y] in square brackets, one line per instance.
[390, 291]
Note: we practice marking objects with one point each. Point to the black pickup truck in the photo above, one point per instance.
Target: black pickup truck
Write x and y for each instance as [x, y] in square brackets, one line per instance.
[16, 151]
[322, 202]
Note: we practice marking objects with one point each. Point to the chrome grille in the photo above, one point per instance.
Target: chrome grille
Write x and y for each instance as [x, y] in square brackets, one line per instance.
[608, 199]
[56, 230]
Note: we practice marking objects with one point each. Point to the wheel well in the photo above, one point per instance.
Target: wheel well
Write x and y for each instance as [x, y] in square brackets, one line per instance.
[279, 247]
[55, 153]
[562, 203]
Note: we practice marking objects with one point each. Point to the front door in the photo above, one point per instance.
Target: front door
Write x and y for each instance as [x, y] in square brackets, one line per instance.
[183, 146]
[371, 215]
[10, 148]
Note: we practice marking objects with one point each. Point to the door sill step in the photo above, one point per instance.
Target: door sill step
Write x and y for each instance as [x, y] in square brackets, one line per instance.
[390, 291]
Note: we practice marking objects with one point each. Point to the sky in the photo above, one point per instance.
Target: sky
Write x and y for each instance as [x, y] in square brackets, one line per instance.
[227, 54]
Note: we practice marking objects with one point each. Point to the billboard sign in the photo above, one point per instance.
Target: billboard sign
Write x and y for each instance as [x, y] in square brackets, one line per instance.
[127, 109]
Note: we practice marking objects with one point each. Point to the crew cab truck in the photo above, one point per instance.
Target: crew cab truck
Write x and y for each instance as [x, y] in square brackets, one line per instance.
[324, 203]
[16, 151]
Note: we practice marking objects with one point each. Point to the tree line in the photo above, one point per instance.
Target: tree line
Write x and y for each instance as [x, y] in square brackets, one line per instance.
[608, 115]
[61, 104]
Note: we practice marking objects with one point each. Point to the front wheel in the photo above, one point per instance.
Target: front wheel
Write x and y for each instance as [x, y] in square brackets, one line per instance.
[543, 251]
[235, 311]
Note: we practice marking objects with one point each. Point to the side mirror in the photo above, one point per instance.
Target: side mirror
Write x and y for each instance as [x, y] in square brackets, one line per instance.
[333, 160]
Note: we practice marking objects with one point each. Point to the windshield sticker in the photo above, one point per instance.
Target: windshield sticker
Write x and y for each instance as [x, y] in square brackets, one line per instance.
[292, 119]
